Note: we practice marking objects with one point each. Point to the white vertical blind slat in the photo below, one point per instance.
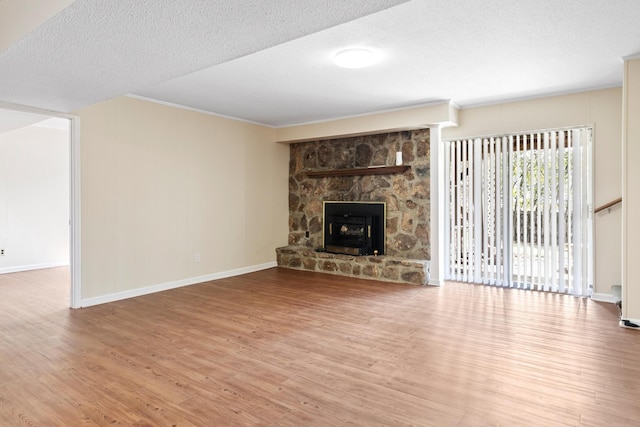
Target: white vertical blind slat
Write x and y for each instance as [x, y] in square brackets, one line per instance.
[554, 211]
[539, 207]
[464, 176]
[478, 225]
[545, 213]
[526, 187]
[497, 145]
[490, 220]
[458, 214]
[487, 211]
[517, 208]
[531, 210]
[532, 187]
[587, 214]
[570, 236]
[448, 206]
[562, 211]
[505, 208]
[577, 208]
[467, 208]
[508, 207]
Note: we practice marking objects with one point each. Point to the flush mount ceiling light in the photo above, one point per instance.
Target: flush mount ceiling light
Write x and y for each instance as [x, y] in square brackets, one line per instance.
[355, 58]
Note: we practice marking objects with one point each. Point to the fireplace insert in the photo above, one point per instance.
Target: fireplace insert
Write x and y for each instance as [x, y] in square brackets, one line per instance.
[354, 228]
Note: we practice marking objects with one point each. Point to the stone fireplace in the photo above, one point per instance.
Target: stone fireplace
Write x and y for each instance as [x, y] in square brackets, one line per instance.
[360, 170]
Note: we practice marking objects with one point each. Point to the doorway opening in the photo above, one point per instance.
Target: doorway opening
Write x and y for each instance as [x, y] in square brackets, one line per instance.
[39, 212]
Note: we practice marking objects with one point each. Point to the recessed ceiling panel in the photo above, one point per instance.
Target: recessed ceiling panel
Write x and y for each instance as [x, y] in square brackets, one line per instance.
[471, 52]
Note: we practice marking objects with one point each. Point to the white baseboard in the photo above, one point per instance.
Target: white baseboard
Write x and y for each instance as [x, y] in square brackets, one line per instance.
[19, 268]
[604, 298]
[103, 299]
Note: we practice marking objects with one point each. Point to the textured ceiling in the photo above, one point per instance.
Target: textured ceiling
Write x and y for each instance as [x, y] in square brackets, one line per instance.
[98, 49]
[270, 62]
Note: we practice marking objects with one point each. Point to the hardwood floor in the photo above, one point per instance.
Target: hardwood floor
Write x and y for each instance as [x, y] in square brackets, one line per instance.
[292, 348]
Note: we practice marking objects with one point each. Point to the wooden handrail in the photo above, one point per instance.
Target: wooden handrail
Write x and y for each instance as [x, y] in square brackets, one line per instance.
[608, 205]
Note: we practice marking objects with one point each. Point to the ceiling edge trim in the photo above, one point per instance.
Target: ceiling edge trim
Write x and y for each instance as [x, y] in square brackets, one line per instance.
[196, 110]
[369, 113]
[440, 114]
[547, 95]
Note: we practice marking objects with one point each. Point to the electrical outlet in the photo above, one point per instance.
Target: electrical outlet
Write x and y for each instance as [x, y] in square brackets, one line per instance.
[197, 257]
[1, 252]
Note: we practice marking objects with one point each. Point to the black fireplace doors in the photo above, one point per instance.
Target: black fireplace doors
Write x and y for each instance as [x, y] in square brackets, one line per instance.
[354, 228]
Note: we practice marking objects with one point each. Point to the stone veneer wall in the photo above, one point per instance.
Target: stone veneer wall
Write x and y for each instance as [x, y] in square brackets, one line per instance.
[406, 195]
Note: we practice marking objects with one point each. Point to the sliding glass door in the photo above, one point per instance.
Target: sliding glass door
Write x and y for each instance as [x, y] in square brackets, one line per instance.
[520, 210]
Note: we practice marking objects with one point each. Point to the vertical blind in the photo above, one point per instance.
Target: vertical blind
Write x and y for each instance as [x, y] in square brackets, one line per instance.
[520, 210]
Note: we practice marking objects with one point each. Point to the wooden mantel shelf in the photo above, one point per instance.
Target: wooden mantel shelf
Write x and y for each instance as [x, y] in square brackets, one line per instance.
[373, 170]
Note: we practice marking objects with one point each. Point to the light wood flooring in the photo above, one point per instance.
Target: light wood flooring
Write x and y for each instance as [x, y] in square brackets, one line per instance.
[292, 348]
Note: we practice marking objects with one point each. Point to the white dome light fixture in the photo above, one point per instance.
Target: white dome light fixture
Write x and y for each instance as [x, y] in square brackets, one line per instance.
[357, 57]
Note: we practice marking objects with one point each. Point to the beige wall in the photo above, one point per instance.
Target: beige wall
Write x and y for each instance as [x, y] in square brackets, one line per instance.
[631, 194]
[160, 184]
[603, 110]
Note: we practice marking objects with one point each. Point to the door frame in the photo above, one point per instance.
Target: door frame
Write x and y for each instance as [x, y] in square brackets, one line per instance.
[75, 296]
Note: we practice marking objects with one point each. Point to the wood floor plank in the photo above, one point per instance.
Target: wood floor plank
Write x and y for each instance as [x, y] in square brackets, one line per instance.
[292, 348]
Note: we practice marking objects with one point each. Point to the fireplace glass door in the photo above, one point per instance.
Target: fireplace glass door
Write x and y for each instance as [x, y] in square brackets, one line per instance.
[354, 228]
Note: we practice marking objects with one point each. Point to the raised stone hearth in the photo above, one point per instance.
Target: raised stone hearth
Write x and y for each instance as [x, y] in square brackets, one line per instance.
[384, 268]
